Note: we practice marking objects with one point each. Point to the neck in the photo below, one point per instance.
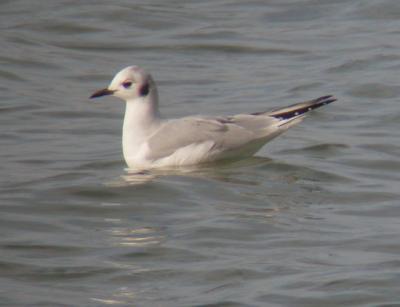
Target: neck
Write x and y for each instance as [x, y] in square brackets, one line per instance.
[142, 111]
[141, 119]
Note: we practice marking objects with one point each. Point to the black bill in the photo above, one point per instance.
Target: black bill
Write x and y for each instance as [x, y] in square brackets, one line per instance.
[103, 92]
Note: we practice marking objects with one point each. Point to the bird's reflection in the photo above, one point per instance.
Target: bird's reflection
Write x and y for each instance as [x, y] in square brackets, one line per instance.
[221, 171]
[135, 236]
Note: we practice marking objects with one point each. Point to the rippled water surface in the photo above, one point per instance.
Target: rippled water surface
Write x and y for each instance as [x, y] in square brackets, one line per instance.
[313, 220]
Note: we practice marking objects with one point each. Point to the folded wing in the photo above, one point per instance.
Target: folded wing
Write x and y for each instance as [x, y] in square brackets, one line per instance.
[224, 134]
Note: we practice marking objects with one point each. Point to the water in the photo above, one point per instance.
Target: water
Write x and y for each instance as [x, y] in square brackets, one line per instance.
[312, 221]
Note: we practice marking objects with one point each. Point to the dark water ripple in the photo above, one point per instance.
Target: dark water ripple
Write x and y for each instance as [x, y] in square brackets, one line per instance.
[313, 221]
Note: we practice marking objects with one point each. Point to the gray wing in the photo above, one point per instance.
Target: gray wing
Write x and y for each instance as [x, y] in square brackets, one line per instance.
[226, 133]
[230, 132]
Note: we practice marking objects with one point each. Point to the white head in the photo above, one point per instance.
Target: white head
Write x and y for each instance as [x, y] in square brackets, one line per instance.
[130, 83]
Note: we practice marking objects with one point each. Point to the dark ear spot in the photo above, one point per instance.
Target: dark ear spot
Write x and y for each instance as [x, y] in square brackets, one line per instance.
[144, 89]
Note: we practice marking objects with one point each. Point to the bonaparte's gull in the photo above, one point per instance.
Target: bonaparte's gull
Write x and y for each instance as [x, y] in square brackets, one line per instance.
[150, 141]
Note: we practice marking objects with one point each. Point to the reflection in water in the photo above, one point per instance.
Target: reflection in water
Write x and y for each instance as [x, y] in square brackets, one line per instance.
[135, 237]
[128, 238]
[121, 296]
[221, 171]
[107, 301]
[233, 172]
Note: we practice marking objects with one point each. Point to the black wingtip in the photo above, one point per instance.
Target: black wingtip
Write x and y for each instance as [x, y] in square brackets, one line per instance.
[302, 108]
[324, 100]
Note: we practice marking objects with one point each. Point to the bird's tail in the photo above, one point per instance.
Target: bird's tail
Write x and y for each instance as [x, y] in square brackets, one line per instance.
[293, 114]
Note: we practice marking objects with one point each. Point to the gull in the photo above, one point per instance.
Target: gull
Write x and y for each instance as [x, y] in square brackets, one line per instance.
[150, 141]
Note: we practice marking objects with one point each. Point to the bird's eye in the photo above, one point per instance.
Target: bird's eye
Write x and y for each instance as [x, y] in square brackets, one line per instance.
[127, 84]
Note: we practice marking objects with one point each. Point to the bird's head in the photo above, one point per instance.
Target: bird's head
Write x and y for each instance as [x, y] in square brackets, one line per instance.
[130, 83]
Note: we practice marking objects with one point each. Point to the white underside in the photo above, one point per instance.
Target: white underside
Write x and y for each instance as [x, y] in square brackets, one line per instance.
[192, 154]
[188, 155]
